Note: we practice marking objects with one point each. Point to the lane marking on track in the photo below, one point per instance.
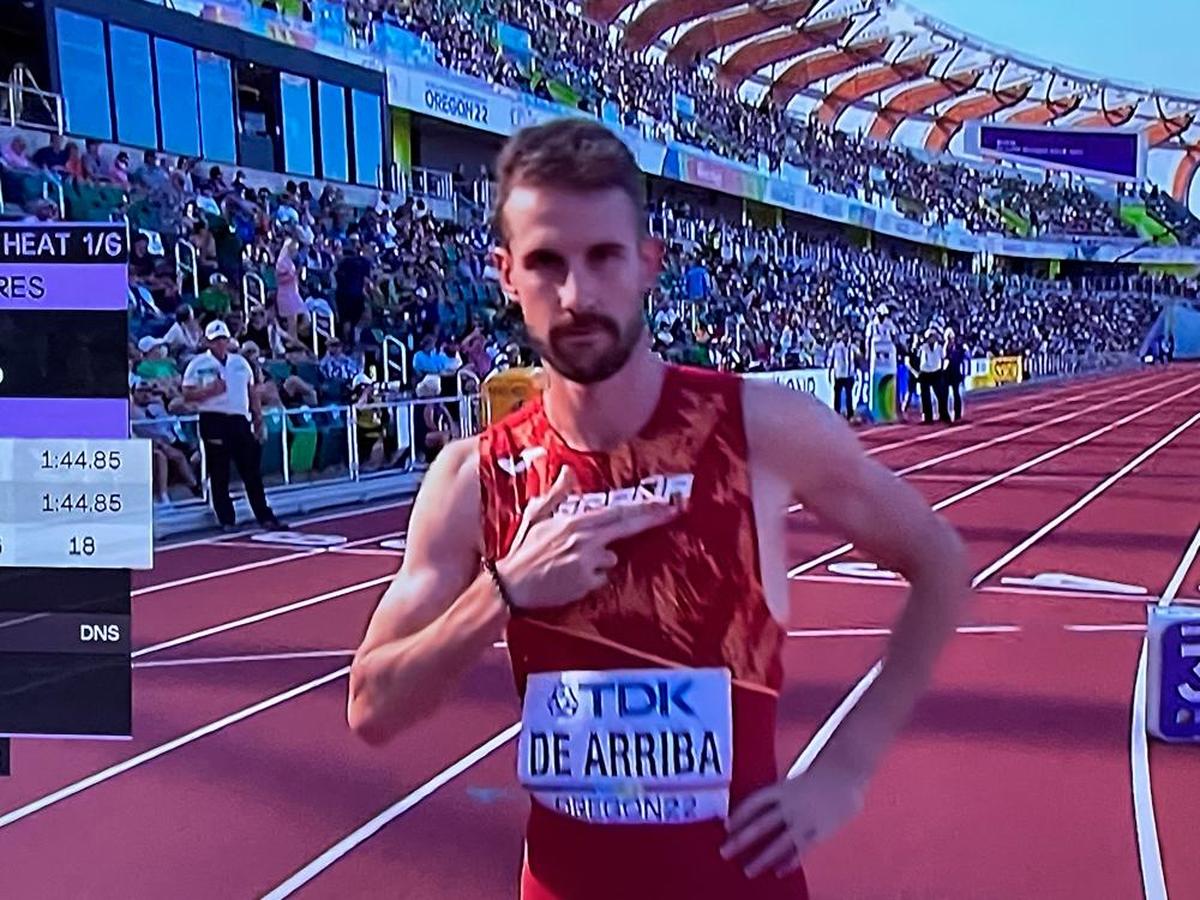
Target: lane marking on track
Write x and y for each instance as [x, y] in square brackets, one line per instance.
[1100, 629]
[1086, 499]
[251, 657]
[986, 589]
[257, 564]
[219, 539]
[146, 756]
[1154, 883]
[971, 448]
[827, 729]
[262, 616]
[1009, 473]
[1066, 581]
[373, 825]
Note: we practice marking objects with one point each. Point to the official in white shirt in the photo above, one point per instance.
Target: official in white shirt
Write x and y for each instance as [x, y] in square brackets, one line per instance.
[841, 371]
[220, 383]
[931, 361]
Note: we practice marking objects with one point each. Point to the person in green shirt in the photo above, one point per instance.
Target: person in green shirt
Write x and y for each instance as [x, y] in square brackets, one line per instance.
[155, 362]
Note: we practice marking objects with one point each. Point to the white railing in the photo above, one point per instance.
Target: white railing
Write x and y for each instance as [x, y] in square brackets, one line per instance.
[254, 292]
[54, 187]
[28, 105]
[333, 456]
[393, 347]
[187, 266]
[317, 317]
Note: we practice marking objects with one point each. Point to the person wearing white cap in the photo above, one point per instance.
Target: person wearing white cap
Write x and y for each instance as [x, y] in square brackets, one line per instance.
[931, 356]
[219, 383]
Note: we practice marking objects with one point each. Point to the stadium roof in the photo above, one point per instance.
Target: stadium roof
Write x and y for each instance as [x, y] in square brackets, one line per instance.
[893, 68]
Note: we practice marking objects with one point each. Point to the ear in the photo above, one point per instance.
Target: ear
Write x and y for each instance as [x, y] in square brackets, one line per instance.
[651, 251]
[503, 259]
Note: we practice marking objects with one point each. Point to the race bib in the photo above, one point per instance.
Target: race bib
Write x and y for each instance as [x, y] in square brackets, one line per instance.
[629, 746]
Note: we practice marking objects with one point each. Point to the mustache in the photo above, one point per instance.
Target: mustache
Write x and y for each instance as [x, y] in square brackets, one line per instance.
[586, 322]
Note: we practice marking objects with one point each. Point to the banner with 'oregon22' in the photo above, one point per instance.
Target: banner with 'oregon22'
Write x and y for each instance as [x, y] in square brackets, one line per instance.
[810, 381]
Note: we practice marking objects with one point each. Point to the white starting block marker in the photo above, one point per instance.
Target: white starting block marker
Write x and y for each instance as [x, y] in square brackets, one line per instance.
[394, 544]
[299, 539]
[1063, 581]
[863, 570]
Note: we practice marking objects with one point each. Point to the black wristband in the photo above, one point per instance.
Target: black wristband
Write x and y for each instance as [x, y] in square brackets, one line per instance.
[501, 588]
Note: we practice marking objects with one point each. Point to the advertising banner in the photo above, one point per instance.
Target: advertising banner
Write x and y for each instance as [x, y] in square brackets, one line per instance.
[1006, 370]
[808, 381]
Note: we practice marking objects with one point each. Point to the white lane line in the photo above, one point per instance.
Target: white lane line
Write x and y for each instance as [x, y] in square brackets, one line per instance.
[826, 731]
[1085, 499]
[838, 632]
[1154, 883]
[1057, 594]
[971, 448]
[155, 752]
[262, 616]
[250, 657]
[366, 551]
[295, 523]
[1101, 629]
[1009, 473]
[373, 825]
[257, 564]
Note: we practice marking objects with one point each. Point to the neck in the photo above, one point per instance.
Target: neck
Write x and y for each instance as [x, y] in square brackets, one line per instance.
[599, 417]
[221, 356]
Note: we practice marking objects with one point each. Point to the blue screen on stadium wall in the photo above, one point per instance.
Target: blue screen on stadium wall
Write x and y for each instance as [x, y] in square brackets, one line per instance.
[83, 73]
[179, 117]
[214, 78]
[295, 94]
[133, 87]
[335, 162]
[368, 137]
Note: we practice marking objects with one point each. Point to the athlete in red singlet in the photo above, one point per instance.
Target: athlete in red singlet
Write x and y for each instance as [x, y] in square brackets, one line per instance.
[627, 529]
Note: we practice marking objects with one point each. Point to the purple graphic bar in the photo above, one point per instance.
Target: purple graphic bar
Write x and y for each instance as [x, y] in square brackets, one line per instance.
[1113, 154]
[64, 417]
[68, 286]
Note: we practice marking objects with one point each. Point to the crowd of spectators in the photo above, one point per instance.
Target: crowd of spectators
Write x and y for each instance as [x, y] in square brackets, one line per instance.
[588, 60]
[734, 296]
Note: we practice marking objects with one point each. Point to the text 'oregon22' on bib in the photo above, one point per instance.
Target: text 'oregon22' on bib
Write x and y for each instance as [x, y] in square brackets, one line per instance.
[629, 746]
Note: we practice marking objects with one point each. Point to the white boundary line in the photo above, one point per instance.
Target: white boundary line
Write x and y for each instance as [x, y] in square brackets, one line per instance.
[972, 448]
[826, 731]
[153, 753]
[369, 828]
[262, 616]
[1004, 476]
[219, 539]
[261, 563]
[1154, 883]
[252, 657]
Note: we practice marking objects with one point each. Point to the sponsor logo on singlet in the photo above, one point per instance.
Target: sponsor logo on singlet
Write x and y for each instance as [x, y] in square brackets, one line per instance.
[661, 487]
[629, 745]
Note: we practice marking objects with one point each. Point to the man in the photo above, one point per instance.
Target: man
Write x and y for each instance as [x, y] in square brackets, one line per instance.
[931, 362]
[353, 273]
[841, 370]
[220, 383]
[617, 517]
[956, 372]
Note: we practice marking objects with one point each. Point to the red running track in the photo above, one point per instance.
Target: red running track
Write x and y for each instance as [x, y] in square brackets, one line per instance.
[1014, 779]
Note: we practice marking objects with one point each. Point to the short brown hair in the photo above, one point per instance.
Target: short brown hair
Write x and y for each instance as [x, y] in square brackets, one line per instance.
[573, 154]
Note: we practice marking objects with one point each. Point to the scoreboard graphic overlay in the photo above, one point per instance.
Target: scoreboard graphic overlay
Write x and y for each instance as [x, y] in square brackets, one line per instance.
[75, 491]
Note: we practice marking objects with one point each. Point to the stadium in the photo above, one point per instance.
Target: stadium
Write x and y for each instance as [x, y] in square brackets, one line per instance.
[257, 291]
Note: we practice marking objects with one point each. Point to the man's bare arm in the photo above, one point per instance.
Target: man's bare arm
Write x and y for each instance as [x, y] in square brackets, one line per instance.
[804, 444]
[439, 613]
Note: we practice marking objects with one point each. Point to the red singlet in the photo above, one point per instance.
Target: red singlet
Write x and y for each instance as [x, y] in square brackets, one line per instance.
[686, 594]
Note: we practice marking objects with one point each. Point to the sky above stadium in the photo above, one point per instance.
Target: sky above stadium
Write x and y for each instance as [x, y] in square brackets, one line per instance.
[1154, 45]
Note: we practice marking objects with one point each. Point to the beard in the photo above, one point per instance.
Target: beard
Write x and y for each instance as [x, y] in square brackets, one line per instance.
[609, 348]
